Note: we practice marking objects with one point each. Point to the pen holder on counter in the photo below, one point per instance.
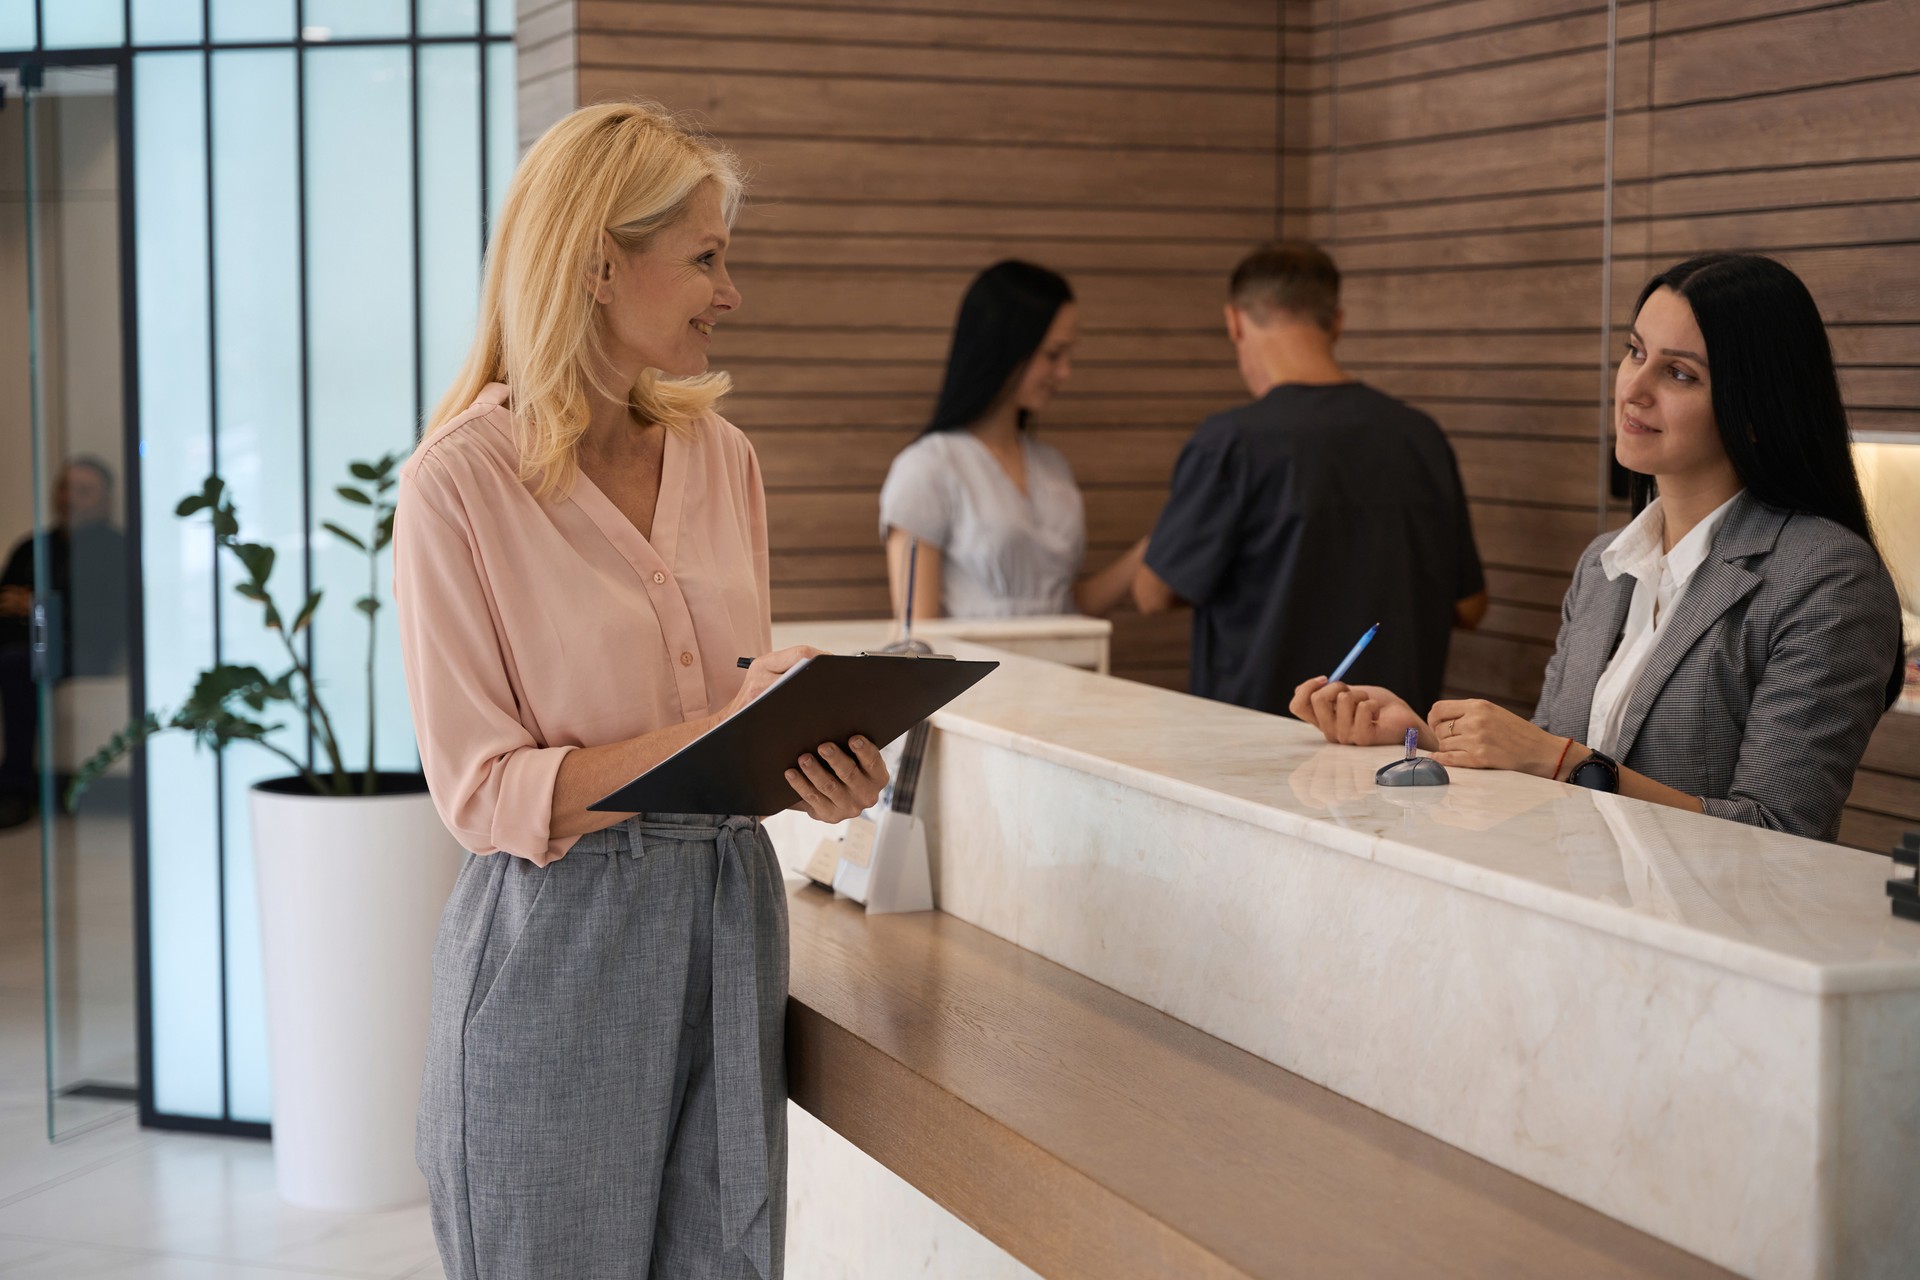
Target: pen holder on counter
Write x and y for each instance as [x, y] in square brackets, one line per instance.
[1415, 770]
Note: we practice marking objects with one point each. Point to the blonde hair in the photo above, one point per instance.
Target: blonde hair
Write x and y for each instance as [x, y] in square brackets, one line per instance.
[626, 170]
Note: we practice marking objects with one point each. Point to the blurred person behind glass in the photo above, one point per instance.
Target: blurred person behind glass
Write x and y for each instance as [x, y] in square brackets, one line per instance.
[87, 563]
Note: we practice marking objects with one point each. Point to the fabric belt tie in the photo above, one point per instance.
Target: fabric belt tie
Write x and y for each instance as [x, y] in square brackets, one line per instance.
[745, 1216]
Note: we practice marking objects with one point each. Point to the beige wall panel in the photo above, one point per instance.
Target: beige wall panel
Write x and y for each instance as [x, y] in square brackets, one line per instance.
[991, 35]
[1244, 16]
[1416, 219]
[1532, 537]
[1531, 159]
[1825, 45]
[747, 53]
[965, 173]
[767, 246]
[1678, 196]
[738, 104]
[1566, 472]
[853, 215]
[1568, 86]
[1535, 588]
[1876, 119]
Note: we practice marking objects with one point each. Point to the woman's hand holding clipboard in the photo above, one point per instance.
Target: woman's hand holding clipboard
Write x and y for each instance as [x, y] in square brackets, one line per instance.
[805, 725]
[833, 783]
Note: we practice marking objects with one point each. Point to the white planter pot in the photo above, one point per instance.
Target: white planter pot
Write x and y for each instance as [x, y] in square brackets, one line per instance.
[350, 897]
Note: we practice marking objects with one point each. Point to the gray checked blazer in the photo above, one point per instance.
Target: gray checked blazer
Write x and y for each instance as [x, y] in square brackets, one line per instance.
[1766, 683]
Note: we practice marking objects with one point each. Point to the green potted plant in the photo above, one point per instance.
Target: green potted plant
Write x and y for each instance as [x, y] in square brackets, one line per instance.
[352, 868]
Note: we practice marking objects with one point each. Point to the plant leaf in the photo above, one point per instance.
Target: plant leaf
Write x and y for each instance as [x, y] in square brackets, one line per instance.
[354, 495]
[104, 759]
[305, 615]
[367, 605]
[250, 591]
[342, 534]
[189, 505]
[363, 471]
[258, 559]
[383, 532]
[225, 525]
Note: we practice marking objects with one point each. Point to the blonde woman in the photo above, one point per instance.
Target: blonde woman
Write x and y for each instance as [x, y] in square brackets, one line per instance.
[580, 555]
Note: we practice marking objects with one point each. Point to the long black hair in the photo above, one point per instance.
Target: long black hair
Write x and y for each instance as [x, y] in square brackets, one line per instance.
[1776, 397]
[1006, 312]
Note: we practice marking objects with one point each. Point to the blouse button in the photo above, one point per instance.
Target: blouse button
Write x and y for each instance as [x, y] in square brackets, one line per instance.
[686, 659]
[658, 576]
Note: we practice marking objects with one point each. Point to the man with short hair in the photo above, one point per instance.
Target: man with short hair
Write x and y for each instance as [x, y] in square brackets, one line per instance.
[1299, 520]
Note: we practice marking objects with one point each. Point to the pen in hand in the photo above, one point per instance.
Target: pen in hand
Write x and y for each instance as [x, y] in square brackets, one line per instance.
[743, 663]
[1353, 655]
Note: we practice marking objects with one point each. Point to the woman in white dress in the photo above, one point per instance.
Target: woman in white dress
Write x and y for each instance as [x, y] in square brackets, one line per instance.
[992, 515]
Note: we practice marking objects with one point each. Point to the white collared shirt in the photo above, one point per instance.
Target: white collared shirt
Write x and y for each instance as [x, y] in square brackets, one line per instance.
[1660, 580]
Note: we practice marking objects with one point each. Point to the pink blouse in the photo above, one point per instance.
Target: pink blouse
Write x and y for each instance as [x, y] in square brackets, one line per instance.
[529, 628]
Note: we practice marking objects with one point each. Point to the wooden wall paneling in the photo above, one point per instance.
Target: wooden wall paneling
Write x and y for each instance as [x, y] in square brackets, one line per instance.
[896, 149]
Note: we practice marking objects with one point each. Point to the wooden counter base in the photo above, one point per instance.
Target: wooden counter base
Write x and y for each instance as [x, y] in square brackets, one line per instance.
[1091, 1136]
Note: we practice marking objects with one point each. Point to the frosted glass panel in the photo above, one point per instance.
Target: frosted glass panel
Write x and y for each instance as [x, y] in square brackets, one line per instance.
[166, 21]
[253, 19]
[449, 213]
[16, 24]
[500, 17]
[256, 272]
[184, 890]
[83, 24]
[449, 17]
[345, 19]
[503, 147]
[360, 325]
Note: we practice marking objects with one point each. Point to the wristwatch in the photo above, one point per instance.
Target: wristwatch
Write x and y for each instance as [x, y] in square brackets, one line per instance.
[1597, 772]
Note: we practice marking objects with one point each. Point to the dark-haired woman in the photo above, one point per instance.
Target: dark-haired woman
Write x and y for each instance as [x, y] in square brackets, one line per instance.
[1000, 525]
[1730, 651]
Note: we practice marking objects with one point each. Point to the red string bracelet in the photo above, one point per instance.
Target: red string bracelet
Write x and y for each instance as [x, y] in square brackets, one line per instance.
[1555, 775]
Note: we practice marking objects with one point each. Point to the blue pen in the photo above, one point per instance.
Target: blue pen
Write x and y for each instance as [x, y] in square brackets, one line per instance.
[1353, 654]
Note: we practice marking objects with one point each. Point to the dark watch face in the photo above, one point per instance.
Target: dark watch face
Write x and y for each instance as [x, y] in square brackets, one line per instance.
[1596, 773]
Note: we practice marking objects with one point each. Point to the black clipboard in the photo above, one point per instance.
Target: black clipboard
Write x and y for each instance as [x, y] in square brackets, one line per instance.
[739, 766]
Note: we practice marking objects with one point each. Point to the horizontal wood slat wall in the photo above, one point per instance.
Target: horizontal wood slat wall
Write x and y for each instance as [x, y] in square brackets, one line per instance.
[896, 149]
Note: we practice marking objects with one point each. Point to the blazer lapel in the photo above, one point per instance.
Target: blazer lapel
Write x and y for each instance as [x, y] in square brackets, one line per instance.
[1720, 583]
[1592, 647]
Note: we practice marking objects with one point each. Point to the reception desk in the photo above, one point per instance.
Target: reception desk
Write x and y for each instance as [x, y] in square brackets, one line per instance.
[1707, 1032]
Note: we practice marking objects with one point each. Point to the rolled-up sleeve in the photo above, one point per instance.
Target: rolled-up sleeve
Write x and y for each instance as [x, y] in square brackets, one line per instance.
[491, 781]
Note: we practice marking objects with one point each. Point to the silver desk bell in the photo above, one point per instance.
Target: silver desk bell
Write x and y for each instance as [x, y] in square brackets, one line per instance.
[1415, 770]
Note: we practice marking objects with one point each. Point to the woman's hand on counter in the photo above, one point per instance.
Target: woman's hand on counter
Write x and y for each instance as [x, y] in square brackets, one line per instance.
[1361, 715]
[834, 786]
[1473, 733]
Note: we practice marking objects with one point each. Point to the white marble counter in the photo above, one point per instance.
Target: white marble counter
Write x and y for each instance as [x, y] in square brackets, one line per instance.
[1797, 913]
[1708, 1031]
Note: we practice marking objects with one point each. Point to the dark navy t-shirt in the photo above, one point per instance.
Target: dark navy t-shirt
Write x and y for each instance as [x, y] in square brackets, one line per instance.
[1300, 520]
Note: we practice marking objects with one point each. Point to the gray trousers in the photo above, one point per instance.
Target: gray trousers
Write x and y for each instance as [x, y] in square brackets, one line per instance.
[605, 1090]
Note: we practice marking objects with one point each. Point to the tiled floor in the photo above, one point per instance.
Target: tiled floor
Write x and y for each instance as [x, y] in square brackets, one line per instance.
[128, 1203]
